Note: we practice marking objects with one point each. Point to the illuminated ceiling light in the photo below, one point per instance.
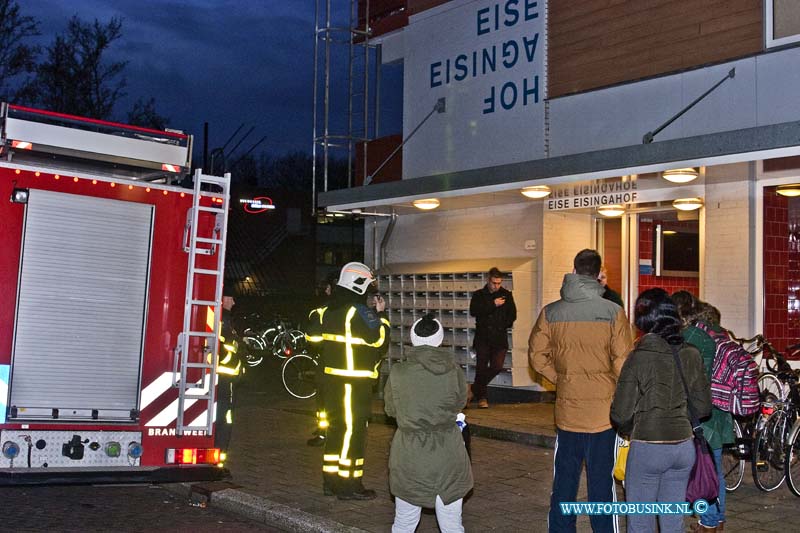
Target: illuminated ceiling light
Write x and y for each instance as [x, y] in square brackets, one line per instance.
[791, 191]
[426, 204]
[536, 191]
[687, 204]
[669, 232]
[680, 175]
[613, 210]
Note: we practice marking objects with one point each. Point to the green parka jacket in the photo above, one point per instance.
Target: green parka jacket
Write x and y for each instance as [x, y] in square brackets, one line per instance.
[428, 457]
[650, 401]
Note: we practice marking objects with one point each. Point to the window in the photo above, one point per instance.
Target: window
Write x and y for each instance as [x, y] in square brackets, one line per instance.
[782, 22]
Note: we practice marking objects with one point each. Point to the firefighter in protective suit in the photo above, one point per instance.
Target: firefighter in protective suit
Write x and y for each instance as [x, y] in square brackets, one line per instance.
[353, 340]
[229, 369]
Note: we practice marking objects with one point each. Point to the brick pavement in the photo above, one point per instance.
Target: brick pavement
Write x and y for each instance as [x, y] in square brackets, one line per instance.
[512, 481]
[134, 508]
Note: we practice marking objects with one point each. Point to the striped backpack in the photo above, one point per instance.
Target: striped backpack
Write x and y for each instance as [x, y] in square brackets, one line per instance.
[734, 376]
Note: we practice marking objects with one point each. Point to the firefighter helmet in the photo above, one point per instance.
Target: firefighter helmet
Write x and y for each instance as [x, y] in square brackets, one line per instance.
[355, 277]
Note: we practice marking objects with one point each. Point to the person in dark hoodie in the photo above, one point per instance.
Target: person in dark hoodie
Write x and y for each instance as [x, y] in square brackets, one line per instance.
[428, 463]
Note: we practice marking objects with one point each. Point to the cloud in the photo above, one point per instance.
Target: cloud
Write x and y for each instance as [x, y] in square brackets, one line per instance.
[227, 62]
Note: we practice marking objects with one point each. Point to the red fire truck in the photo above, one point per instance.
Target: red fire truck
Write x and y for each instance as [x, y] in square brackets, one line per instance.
[110, 306]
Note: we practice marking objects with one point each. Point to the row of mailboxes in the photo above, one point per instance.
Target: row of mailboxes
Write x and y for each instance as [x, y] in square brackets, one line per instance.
[447, 296]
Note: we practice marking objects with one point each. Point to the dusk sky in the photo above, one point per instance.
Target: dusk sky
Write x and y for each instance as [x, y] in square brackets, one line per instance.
[227, 62]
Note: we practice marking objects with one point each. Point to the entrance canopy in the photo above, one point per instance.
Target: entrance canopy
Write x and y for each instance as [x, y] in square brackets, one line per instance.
[500, 184]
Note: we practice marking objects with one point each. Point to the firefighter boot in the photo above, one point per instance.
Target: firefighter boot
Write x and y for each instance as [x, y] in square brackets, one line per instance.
[318, 439]
[355, 491]
[329, 482]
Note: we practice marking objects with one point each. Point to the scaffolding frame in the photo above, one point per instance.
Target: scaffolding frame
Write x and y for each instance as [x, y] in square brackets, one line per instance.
[356, 37]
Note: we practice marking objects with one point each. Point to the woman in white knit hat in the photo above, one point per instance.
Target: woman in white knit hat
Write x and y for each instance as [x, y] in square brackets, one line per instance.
[428, 464]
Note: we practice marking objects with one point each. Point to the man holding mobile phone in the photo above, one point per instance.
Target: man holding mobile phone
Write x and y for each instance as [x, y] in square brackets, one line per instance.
[494, 311]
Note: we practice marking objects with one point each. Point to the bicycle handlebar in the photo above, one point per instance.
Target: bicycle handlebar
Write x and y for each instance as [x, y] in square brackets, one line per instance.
[773, 355]
[758, 339]
[776, 356]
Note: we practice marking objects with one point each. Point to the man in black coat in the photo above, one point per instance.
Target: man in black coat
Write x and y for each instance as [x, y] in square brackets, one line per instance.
[494, 311]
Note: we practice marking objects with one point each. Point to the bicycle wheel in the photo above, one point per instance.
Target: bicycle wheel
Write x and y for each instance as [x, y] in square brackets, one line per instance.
[768, 452]
[733, 460]
[792, 466]
[771, 388]
[299, 375]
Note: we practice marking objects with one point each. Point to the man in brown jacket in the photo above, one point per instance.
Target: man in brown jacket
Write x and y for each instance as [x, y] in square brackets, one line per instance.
[580, 343]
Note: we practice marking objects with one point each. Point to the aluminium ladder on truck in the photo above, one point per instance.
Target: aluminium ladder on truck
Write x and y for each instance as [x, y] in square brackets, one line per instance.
[217, 189]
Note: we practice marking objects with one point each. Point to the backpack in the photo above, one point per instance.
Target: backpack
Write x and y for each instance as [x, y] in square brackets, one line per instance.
[734, 376]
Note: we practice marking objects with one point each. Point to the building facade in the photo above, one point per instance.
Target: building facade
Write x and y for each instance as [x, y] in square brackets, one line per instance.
[662, 132]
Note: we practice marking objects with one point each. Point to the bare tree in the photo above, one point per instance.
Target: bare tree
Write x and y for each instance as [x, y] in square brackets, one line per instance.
[16, 57]
[74, 78]
[144, 114]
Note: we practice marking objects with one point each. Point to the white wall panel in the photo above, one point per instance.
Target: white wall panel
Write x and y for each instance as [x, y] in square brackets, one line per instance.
[763, 92]
[727, 274]
[778, 86]
[731, 106]
[614, 117]
[467, 136]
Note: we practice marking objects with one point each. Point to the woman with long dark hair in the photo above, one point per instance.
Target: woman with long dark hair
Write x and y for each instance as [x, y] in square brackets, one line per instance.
[650, 406]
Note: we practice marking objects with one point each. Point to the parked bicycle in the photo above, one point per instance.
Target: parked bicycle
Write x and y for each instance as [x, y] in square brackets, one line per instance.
[770, 461]
[772, 389]
[278, 337]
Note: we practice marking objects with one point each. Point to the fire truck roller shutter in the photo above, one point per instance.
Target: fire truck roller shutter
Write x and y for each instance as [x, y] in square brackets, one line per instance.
[81, 307]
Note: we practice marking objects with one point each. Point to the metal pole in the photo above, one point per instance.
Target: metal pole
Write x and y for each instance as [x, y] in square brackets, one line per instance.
[438, 108]
[314, 113]
[378, 67]
[326, 104]
[246, 135]
[648, 137]
[350, 55]
[365, 104]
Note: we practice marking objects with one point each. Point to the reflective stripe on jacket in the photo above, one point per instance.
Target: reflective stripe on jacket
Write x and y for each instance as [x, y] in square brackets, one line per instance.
[353, 337]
